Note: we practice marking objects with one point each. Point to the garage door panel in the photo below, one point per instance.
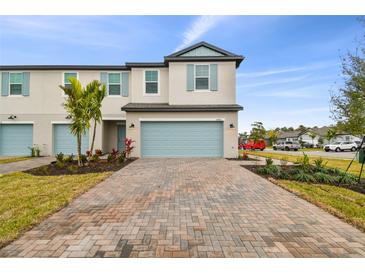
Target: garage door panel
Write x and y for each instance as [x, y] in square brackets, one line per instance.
[64, 141]
[15, 140]
[182, 139]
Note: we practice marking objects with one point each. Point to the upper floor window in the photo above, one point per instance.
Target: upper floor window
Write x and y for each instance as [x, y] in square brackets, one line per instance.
[202, 77]
[151, 85]
[114, 83]
[66, 78]
[16, 82]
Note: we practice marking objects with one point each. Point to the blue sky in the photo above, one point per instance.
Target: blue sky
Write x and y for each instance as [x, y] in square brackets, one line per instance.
[292, 62]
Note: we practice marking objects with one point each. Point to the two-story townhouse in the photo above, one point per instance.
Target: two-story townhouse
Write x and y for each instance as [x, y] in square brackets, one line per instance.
[182, 107]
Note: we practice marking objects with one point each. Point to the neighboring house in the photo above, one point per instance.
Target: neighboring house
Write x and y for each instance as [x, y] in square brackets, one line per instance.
[182, 107]
[289, 135]
[321, 132]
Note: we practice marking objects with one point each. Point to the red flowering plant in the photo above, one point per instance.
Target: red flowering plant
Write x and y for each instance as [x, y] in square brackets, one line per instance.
[128, 142]
[98, 152]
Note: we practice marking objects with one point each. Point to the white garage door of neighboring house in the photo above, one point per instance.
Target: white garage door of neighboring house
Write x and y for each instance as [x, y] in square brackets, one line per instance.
[64, 141]
[182, 139]
[15, 139]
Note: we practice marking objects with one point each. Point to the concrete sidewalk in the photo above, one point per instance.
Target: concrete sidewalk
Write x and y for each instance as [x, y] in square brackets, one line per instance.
[25, 165]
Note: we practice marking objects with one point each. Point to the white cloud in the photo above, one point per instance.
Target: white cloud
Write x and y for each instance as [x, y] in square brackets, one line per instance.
[272, 82]
[303, 111]
[66, 30]
[313, 91]
[308, 67]
[198, 28]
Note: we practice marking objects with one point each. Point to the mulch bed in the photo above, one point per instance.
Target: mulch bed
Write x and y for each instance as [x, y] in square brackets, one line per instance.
[72, 168]
[360, 188]
[237, 159]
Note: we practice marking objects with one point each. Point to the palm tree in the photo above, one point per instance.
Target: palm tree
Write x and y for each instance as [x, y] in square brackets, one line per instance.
[96, 93]
[77, 107]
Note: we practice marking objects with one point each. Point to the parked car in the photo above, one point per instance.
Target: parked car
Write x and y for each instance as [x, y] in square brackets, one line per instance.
[341, 146]
[287, 145]
[261, 145]
[307, 145]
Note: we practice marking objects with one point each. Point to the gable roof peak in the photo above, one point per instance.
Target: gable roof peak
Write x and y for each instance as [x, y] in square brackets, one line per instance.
[202, 44]
[204, 51]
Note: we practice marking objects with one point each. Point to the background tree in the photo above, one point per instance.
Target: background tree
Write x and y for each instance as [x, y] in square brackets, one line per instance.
[258, 132]
[348, 104]
[302, 128]
[76, 105]
[96, 93]
[243, 137]
[330, 134]
[312, 135]
[273, 136]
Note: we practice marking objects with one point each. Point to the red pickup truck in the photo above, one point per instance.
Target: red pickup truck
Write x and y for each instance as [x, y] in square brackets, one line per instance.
[261, 145]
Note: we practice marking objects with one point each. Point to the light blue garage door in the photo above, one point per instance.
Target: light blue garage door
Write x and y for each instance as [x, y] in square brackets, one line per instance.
[64, 141]
[182, 139]
[15, 140]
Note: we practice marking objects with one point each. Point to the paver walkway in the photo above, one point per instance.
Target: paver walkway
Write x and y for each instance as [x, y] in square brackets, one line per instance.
[189, 208]
[26, 164]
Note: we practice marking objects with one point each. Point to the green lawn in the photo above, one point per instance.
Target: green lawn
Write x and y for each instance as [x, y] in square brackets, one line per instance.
[26, 200]
[341, 202]
[331, 162]
[13, 159]
[311, 149]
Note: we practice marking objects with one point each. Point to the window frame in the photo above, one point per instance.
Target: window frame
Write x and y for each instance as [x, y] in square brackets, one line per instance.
[120, 84]
[21, 84]
[63, 80]
[158, 82]
[195, 77]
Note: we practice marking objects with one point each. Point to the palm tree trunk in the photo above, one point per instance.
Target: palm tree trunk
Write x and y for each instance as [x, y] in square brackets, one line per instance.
[79, 150]
[93, 140]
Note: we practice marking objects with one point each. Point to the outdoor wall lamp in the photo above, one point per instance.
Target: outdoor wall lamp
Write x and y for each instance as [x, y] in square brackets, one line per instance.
[131, 125]
[231, 125]
[12, 117]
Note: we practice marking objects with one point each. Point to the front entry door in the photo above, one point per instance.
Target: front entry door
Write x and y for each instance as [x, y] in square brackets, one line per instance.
[121, 137]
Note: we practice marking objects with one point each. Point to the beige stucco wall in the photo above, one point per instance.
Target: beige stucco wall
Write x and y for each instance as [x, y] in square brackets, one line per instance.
[226, 94]
[229, 135]
[45, 104]
[43, 129]
[105, 137]
[138, 95]
[47, 98]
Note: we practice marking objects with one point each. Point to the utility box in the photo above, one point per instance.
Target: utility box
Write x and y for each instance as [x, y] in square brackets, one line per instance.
[360, 156]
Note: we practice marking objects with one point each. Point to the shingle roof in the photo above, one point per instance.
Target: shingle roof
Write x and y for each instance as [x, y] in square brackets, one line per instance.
[158, 107]
[146, 64]
[321, 131]
[176, 57]
[290, 134]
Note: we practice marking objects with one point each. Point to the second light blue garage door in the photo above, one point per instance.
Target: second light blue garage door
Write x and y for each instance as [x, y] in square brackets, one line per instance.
[182, 139]
[64, 141]
[16, 139]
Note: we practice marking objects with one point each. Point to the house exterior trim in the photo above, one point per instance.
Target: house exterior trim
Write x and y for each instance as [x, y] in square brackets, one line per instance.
[135, 107]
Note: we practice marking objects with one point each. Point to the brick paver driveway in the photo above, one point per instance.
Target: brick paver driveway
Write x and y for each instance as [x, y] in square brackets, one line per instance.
[189, 207]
